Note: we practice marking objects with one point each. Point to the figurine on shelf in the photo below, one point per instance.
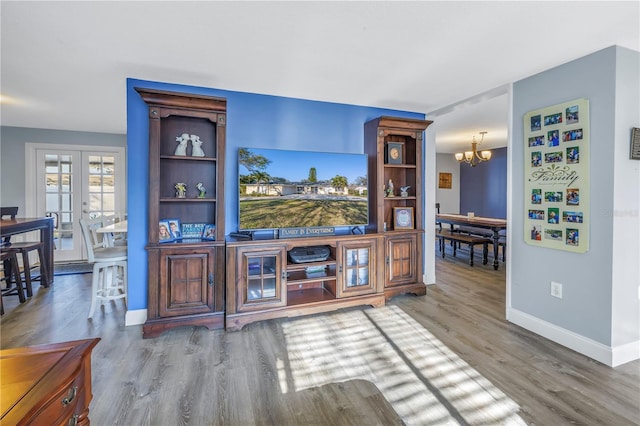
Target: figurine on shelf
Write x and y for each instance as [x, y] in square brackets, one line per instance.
[181, 190]
[390, 189]
[200, 187]
[404, 191]
[181, 149]
[196, 144]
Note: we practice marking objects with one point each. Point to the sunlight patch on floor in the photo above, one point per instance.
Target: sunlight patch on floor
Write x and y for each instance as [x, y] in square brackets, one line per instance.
[422, 379]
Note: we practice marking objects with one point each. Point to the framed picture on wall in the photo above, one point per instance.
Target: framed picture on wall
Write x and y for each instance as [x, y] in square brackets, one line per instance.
[444, 180]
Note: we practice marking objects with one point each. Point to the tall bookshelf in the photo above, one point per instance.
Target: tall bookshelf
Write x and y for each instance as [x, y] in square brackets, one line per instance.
[395, 149]
[186, 272]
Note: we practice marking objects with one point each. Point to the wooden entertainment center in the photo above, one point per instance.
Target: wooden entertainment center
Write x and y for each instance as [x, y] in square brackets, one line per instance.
[228, 283]
[263, 282]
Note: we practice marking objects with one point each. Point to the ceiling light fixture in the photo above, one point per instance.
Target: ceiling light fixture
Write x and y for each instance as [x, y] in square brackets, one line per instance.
[473, 157]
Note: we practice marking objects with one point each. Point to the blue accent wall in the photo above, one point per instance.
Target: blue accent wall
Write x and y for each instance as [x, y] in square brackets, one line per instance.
[483, 188]
[253, 120]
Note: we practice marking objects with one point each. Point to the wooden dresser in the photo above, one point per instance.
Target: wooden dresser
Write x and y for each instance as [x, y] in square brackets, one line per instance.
[46, 384]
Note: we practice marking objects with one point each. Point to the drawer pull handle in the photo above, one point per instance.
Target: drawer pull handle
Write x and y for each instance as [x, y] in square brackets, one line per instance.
[73, 421]
[71, 395]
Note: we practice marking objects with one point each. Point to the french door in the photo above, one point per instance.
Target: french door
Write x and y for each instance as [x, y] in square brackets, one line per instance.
[72, 183]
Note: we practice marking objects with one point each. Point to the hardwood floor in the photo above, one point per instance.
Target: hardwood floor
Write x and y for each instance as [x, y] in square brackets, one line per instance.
[200, 377]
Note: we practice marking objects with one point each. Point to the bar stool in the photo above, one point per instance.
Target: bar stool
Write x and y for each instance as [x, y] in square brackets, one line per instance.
[24, 248]
[11, 257]
[109, 281]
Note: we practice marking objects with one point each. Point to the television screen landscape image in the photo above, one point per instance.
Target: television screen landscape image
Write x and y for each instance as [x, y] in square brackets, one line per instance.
[295, 189]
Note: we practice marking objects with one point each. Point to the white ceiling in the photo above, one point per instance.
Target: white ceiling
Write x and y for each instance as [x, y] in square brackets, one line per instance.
[65, 64]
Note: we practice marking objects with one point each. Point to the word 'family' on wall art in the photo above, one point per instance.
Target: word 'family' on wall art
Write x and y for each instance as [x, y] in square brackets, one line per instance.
[556, 181]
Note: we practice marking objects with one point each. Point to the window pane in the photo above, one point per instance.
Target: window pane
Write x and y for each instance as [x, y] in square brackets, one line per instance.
[109, 202]
[51, 202]
[108, 183]
[51, 163]
[65, 164]
[66, 183]
[52, 183]
[66, 201]
[95, 165]
[108, 165]
[95, 202]
[95, 183]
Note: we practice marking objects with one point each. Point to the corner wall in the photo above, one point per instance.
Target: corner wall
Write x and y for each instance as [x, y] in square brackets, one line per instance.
[449, 199]
[593, 282]
[483, 188]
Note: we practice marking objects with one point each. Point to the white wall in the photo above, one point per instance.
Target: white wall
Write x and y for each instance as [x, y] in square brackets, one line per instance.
[449, 199]
[594, 283]
[626, 206]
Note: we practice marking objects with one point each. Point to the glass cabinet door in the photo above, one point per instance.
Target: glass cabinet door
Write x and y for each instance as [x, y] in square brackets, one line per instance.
[357, 268]
[262, 279]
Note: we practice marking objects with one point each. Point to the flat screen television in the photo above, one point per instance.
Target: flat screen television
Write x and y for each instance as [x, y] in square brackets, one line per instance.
[296, 189]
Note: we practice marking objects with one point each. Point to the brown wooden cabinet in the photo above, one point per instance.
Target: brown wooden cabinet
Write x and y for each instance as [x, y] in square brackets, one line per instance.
[46, 384]
[186, 183]
[357, 267]
[262, 277]
[263, 282]
[395, 149]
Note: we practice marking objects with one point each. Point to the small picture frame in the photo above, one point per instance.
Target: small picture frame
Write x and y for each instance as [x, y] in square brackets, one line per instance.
[175, 229]
[209, 232]
[444, 180]
[164, 235]
[403, 218]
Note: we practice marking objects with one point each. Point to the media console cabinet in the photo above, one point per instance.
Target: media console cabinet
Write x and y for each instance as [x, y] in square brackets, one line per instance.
[187, 277]
[264, 283]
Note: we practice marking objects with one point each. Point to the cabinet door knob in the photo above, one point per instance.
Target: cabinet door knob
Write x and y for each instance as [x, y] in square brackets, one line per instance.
[71, 395]
[211, 279]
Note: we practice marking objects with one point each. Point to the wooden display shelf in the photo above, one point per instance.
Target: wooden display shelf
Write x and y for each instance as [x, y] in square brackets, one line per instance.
[187, 200]
[309, 295]
[301, 277]
[187, 158]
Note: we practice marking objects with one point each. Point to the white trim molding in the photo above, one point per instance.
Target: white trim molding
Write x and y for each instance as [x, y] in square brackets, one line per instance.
[611, 356]
[136, 317]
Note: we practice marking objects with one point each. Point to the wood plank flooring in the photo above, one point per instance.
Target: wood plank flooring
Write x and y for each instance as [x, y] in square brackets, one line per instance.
[192, 376]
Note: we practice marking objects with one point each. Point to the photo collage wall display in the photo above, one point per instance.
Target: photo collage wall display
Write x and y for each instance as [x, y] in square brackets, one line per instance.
[556, 181]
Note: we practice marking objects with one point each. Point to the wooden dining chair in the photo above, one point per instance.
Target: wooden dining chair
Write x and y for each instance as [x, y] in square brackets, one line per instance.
[24, 248]
[109, 281]
[10, 256]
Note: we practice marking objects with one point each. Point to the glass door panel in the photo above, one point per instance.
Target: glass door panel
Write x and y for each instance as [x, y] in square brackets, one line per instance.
[60, 199]
[357, 268]
[71, 184]
[262, 280]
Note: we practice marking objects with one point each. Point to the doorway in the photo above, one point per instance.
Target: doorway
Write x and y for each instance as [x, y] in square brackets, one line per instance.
[70, 182]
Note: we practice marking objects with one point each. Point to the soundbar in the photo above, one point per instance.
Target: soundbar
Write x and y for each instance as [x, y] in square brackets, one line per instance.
[309, 254]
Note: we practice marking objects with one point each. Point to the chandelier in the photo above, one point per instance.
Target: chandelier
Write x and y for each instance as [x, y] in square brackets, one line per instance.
[474, 157]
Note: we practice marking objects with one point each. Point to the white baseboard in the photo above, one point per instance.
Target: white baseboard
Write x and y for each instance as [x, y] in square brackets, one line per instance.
[625, 353]
[607, 355]
[136, 317]
[427, 280]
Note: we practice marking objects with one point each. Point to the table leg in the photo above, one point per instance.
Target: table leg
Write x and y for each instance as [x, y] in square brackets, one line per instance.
[496, 245]
[46, 236]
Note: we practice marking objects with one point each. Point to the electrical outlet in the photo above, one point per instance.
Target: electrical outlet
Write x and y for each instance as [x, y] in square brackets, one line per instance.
[556, 289]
